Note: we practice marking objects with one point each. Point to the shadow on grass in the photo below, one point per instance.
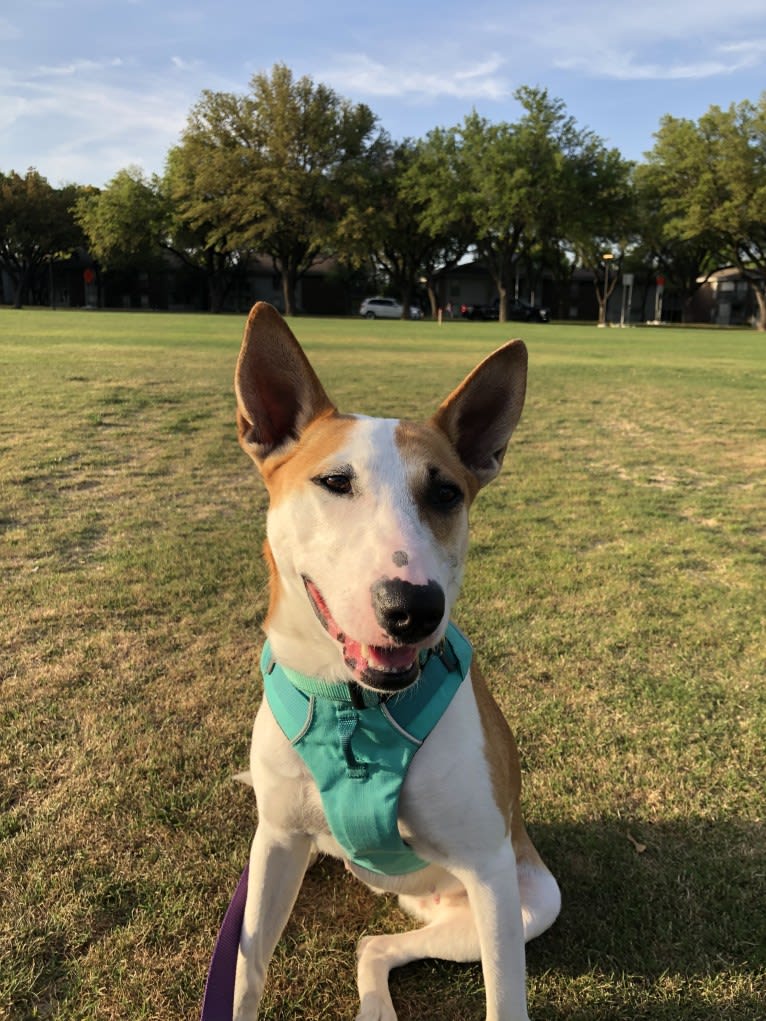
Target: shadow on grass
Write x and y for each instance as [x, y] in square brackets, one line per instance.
[664, 921]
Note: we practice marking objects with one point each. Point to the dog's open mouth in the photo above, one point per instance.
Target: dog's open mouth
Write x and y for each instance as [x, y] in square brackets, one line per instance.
[386, 668]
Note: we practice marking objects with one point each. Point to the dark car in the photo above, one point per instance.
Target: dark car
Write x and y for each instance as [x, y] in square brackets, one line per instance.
[478, 311]
[523, 311]
[517, 309]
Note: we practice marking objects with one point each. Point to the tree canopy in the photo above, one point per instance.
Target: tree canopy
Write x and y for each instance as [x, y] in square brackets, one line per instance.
[710, 178]
[276, 170]
[36, 224]
[124, 221]
[291, 171]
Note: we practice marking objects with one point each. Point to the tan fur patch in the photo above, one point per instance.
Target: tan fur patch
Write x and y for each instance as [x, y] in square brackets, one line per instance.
[319, 441]
[499, 748]
[426, 450]
[502, 757]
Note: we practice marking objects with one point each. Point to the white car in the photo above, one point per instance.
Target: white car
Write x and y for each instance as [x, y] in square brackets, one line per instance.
[386, 308]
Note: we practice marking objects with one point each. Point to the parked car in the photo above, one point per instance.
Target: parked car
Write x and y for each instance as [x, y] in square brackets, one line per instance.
[479, 311]
[517, 309]
[386, 308]
[522, 310]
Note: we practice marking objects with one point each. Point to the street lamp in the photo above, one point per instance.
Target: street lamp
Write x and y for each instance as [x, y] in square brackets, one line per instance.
[607, 257]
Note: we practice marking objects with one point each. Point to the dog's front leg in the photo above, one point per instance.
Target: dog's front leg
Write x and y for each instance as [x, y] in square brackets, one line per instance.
[278, 861]
[493, 893]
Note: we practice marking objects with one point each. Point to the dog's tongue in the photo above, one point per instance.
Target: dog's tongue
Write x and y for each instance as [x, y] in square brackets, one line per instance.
[398, 658]
[392, 659]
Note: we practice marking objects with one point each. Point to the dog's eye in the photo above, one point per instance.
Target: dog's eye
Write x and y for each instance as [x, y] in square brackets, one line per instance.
[444, 495]
[335, 483]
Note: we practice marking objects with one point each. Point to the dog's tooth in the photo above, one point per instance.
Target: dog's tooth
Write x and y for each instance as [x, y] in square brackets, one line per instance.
[365, 652]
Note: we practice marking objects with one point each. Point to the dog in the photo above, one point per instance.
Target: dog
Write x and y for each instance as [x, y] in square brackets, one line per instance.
[367, 532]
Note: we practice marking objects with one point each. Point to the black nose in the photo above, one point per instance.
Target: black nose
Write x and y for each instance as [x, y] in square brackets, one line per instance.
[408, 612]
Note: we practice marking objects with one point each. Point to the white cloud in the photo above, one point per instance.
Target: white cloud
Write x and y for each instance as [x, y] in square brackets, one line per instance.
[184, 65]
[625, 67]
[76, 67]
[656, 40]
[363, 76]
[85, 126]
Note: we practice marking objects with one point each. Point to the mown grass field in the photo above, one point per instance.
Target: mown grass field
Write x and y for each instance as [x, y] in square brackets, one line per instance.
[615, 593]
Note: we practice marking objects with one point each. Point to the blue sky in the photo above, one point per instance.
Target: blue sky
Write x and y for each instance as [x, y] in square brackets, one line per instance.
[90, 86]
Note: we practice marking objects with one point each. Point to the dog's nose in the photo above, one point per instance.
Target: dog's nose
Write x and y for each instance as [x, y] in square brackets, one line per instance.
[405, 611]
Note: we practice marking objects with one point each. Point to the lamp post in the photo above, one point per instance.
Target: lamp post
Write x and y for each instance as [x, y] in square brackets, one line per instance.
[607, 257]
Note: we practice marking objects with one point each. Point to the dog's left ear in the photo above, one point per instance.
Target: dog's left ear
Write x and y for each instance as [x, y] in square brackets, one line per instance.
[278, 392]
[480, 415]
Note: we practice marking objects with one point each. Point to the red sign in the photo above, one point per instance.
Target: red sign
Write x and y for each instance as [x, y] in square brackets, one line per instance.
[89, 276]
[660, 281]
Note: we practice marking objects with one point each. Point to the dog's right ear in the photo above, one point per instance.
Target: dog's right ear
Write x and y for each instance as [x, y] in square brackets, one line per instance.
[278, 393]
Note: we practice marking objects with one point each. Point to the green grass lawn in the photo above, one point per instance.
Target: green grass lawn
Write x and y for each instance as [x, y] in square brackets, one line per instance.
[614, 592]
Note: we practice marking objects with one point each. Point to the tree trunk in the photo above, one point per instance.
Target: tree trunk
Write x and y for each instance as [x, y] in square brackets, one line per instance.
[21, 287]
[760, 299]
[502, 307]
[289, 283]
[601, 299]
[215, 292]
[406, 301]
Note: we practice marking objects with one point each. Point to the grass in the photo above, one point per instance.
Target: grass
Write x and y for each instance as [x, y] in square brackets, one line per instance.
[615, 592]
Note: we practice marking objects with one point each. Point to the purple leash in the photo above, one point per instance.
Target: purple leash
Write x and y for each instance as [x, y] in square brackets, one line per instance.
[218, 1001]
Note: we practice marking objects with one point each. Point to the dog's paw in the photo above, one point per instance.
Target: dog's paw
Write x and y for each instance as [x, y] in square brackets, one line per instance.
[373, 1008]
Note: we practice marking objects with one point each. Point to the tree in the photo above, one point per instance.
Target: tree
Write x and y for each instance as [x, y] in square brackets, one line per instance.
[444, 238]
[36, 225]
[400, 242]
[276, 170]
[124, 221]
[474, 178]
[604, 223]
[192, 231]
[685, 261]
[711, 177]
[515, 186]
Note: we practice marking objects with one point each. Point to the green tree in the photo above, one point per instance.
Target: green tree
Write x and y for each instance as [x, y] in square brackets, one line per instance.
[124, 222]
[515, 186]
[686, 262]
[475, 178]
[401, 243]
[193, 232]
[277, 171]
[711, 179]
[602, 196]
[36, 226]
[444, 231]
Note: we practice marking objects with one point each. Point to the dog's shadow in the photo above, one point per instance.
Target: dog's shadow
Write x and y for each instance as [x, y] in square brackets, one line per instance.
[661, 920]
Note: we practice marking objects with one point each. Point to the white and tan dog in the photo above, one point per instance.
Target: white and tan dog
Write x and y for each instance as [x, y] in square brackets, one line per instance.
[367, 535]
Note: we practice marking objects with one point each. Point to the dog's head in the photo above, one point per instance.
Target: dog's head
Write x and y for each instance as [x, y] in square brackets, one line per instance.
[368, 518]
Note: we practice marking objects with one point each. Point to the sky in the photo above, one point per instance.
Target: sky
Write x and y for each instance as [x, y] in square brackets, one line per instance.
[88, 87]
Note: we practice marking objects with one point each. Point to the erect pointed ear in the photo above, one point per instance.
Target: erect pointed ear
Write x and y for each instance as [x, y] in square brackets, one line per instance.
[278, 393]
[480, 415]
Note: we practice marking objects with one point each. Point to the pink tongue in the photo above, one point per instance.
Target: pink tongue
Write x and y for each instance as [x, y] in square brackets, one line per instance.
[392, 659]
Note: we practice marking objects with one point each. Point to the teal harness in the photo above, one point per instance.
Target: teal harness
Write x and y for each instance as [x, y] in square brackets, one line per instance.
[359, 754]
